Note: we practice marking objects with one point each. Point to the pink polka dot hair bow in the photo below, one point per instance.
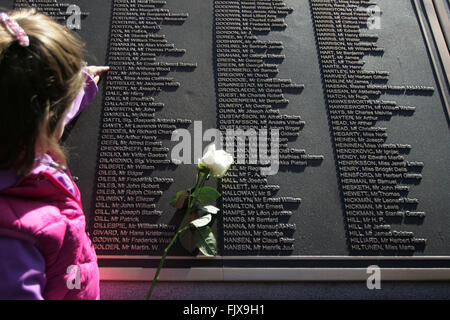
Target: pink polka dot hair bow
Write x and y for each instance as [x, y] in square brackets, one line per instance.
[13, 27]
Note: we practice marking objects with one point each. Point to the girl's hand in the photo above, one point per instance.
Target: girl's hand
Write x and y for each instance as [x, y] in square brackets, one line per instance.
[96, 71]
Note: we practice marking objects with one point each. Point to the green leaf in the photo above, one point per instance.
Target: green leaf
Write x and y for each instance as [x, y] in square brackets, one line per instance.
[179, 199]
[205, 241]
[202, 221]
[186, 237]
[206, 194]
[210, 209]
[187, 240]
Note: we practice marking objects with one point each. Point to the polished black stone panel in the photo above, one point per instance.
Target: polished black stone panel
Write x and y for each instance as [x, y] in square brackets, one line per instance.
[353, 87]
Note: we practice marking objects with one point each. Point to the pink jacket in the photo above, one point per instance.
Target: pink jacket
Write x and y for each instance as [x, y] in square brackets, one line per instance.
[42, 211]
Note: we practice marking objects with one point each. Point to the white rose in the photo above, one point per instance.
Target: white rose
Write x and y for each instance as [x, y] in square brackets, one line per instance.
[218, 161]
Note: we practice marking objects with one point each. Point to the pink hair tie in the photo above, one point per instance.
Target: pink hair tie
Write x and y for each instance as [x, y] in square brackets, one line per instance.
[13, 27]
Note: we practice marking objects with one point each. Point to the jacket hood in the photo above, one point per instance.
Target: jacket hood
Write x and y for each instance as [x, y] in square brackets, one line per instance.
[41, 182]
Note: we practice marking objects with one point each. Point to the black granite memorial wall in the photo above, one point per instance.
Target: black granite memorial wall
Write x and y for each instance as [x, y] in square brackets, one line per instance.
[350, 88]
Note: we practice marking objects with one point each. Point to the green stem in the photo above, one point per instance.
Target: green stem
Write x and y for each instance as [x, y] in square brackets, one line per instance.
[180, 230]
[196, 181]
[163, 259]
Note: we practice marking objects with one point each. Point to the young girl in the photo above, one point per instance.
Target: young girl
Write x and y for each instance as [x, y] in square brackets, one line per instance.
[45, 252]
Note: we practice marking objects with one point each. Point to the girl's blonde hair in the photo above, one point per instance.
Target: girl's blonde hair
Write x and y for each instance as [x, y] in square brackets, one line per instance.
[38, 84]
